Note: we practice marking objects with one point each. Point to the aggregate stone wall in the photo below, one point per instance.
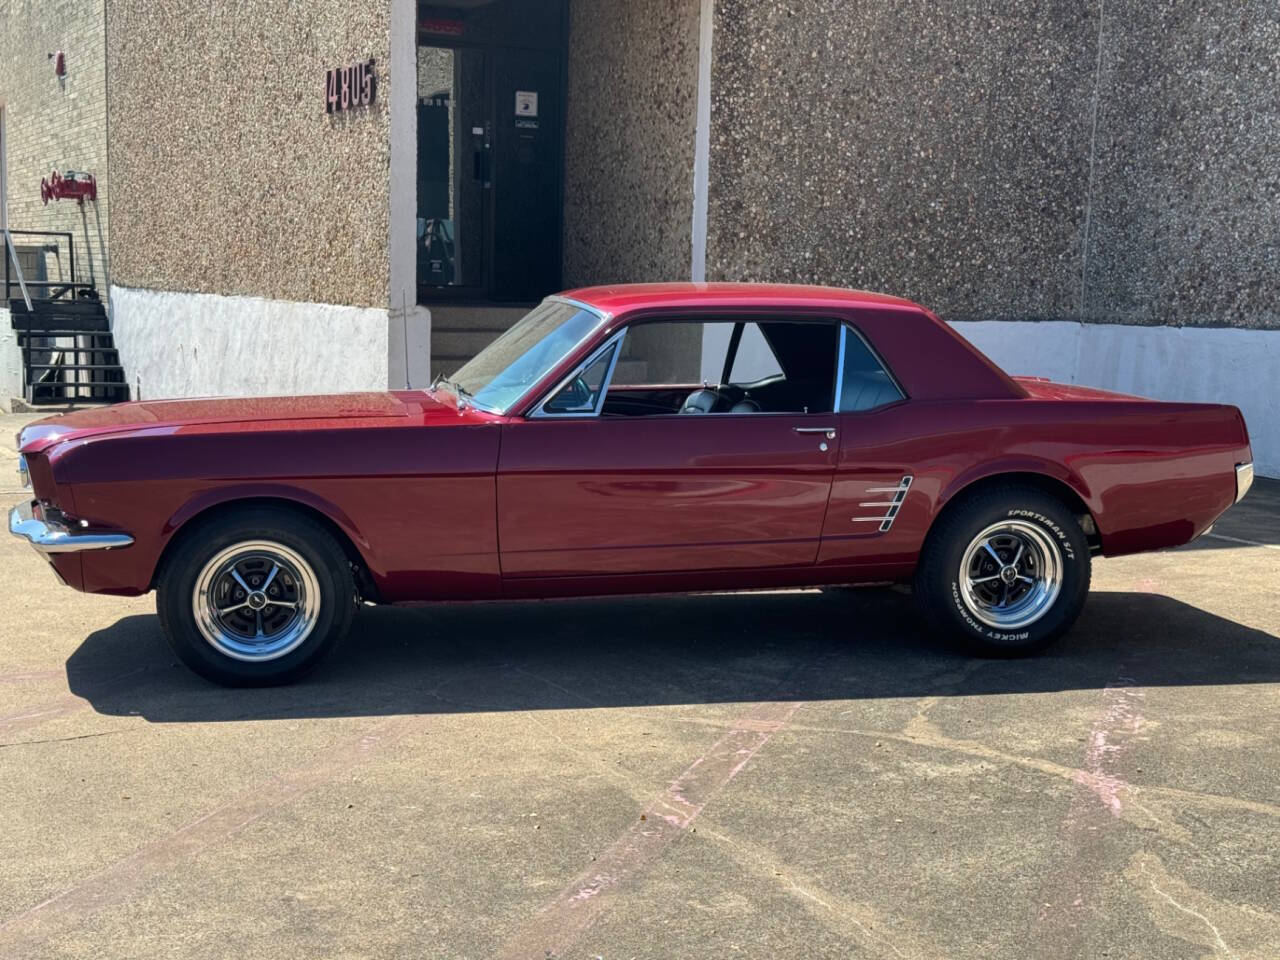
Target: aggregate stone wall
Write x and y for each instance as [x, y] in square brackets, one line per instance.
[1114, 162]
[56, 124]
[232, 177]
[628, 212]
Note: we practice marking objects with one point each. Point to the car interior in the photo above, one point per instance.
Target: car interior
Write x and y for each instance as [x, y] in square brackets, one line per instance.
[780, 366]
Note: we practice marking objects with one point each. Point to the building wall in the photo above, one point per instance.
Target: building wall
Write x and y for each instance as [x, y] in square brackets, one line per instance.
[1006, 160]
[232, 178]
[1112, 169]
[629, 140]
[56, 124]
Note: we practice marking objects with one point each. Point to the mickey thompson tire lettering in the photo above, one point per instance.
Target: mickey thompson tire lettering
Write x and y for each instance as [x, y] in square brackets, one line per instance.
[982, 628]
[941, 597]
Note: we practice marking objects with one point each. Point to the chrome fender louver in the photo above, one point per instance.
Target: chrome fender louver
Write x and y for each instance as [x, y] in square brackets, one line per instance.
[889, 506]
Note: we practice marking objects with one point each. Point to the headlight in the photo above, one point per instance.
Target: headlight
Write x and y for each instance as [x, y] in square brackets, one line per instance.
[23, 474]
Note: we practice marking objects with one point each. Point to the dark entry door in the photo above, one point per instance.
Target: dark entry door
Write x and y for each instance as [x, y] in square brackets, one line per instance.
[526, 181]
[489, 135]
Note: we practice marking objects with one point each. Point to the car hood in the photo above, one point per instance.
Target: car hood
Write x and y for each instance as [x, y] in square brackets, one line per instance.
[254, 413]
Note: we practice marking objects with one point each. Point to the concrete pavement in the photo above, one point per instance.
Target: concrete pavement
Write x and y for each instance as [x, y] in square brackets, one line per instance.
[800, 774]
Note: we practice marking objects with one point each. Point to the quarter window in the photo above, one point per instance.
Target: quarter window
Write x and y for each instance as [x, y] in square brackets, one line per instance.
[581, 395]
[864, 382]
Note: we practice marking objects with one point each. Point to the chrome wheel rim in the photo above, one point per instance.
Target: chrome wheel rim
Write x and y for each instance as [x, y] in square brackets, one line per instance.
[256, 601]
[1011, 574]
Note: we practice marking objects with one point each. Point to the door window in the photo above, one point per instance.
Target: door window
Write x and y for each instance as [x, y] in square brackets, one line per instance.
[725, 367]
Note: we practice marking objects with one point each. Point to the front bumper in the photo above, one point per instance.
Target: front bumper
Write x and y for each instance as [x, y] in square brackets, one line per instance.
[49, 535]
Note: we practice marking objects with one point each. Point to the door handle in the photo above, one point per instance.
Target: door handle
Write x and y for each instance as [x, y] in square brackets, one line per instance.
[830, 432]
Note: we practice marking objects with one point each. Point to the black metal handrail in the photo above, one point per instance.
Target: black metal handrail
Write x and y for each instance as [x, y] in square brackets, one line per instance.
[55, 289]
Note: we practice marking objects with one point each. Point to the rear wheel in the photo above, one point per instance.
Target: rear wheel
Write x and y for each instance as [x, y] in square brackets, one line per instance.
[1005, 571]
[256, 598]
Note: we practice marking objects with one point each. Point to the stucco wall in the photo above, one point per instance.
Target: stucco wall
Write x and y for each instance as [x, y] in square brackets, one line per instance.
[1070, 160]
[629, 140]
[231, 176]
[54, 124]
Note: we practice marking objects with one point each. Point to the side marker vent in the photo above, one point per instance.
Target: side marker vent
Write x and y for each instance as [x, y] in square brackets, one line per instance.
[886, 509]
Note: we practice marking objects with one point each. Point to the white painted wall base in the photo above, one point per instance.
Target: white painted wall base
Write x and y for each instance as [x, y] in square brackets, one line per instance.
[1195, 364]
[10, 359]
[196, 344]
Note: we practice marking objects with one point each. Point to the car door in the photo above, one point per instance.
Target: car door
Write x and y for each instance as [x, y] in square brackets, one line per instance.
[876, 515]
[583, 494]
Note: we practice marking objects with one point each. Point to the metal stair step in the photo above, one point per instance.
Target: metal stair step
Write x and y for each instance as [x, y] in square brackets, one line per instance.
[65, 306]
[77, 366]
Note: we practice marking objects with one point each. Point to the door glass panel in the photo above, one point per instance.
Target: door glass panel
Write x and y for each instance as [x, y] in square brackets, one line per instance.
[453, 166]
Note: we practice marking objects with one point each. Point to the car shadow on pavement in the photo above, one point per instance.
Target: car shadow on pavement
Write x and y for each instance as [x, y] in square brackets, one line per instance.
[829, 645]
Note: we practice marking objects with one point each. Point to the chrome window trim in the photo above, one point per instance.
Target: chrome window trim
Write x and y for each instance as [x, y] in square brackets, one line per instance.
[844, 333]
[604, 315]
[875, 355]
[614, 342]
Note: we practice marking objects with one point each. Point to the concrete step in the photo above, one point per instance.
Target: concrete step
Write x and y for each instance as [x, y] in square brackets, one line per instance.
[462, 343]
[473, 318]
[445, 364]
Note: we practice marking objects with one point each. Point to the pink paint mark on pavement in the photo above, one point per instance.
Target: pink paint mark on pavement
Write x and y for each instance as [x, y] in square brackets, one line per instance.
[1098, 798]
[559, 923]
[122, 880]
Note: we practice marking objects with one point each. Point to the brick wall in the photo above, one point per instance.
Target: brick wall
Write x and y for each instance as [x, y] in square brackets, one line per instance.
[56, 124]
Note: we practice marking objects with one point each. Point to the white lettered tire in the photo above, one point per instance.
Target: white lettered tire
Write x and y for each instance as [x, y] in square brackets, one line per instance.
[1005, 571]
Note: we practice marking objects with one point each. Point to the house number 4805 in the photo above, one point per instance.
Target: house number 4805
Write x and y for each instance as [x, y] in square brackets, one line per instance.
[348, 87]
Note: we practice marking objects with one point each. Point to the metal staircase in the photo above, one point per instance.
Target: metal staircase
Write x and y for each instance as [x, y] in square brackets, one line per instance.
[68, 354]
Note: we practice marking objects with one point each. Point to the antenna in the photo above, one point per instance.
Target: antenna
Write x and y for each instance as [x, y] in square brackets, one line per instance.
[404, 325]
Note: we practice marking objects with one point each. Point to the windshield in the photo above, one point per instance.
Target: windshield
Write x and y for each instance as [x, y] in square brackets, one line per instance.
[504, 371]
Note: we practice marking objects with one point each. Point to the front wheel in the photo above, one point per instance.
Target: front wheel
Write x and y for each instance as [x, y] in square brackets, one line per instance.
[1005, 571]
[257, 598]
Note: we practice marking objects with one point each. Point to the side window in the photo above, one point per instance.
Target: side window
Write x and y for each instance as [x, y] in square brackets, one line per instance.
[864, 382]
[582, 394]
[755, 360]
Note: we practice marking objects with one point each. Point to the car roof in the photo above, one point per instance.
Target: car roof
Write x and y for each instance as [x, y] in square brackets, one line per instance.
[621, 298]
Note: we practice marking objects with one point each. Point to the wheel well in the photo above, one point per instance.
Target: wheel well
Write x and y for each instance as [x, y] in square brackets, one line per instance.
[364, 582]
[1051, 485]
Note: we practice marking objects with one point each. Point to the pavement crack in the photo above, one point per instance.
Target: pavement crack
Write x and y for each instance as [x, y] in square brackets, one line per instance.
[82, 736]
[854, 920]
[1217, 935]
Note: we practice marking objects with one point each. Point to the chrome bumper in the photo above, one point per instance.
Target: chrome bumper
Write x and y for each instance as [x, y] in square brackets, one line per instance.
[49, 536]
[1244, 479]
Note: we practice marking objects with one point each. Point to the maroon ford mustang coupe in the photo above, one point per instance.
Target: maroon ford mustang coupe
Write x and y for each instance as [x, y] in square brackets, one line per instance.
[631, 439]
